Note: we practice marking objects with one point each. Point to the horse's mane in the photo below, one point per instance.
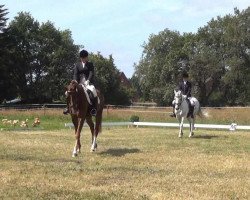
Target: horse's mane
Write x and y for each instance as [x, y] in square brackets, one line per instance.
[178, 93]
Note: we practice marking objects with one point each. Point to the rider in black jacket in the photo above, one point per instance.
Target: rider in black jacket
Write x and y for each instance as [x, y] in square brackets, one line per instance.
[84, 74]
[185, 87]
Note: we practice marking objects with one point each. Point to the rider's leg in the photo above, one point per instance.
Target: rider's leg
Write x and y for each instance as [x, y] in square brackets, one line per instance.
[94, 99]
[94, 106]
[191, 108]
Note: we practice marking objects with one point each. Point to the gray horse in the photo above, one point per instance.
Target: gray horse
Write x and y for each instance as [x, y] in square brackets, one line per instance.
[182, 110]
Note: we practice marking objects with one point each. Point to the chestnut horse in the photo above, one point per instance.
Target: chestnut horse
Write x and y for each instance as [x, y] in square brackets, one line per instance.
[79, 109]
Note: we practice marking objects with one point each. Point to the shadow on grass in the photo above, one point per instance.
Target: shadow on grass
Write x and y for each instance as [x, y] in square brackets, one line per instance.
[205, 136]
[119, 152]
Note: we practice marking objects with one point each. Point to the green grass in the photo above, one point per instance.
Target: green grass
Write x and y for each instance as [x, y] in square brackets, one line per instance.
[131, 163]
[53, 119]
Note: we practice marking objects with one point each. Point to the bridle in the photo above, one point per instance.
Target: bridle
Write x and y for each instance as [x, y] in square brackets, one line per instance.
[71, 94]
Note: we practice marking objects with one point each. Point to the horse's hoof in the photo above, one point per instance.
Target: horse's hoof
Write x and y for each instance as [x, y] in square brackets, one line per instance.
[93, 148]
[180, 135]
[74, 155]
[191, 135]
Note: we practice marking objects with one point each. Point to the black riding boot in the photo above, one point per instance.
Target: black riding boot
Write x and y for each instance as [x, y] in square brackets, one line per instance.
[93, 110]
[191, 111]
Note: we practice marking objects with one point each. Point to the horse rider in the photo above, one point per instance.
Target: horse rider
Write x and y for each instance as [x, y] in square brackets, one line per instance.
[185, 87]
[84, 74]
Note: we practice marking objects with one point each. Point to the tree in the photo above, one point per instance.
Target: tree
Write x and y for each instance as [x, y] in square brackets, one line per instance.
[237, 58]
[107, 80]
[41, 58]
[159, 66]
[6, 84]
[217, 58]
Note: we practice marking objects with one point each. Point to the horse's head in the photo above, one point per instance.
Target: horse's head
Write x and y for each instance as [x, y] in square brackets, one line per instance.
[178, 98]
[72, 96]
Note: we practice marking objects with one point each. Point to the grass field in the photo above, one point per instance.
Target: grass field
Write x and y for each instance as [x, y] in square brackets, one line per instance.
[131, 163]
[53, 119]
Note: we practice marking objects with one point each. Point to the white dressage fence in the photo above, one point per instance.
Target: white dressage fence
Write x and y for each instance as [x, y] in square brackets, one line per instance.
[231, 127]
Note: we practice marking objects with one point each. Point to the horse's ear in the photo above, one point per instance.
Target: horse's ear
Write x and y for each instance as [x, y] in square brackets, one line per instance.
[74, 82]
[66, 87]
[174, 92]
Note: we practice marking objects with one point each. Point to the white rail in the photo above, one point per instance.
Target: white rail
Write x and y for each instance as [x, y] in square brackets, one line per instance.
[231, 127]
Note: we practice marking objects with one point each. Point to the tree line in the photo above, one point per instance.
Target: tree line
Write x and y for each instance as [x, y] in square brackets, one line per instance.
[37, 60]
[217, 59]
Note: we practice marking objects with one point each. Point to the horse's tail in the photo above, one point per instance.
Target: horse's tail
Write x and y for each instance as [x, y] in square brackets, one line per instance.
[99, 115]
[98, 121]
[100, 124]
[202, 114]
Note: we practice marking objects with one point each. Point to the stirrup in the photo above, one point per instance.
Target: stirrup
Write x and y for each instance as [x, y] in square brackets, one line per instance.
[93, 112]
[66, 111]
[172, 115]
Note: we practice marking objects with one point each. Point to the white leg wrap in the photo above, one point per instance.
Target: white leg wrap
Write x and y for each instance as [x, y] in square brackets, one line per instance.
[74, 153]
[93, 147]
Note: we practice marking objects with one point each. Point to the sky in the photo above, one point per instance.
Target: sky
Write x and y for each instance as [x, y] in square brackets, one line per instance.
[120, 27]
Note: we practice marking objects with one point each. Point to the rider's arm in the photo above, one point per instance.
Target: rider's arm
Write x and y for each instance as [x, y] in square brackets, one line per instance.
[91, 71]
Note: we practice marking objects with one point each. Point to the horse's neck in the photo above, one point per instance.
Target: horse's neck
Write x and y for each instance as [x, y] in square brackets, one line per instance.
[184, 108]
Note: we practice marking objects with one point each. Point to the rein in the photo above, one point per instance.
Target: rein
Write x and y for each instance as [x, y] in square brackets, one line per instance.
[179, 103]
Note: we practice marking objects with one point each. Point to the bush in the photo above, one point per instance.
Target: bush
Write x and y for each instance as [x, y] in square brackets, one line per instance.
[134, 118]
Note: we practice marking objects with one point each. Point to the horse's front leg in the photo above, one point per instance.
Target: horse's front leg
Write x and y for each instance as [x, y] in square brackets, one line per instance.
[92, 129]
[78, 128]
[75, 122]
[181, 120]
[191, 126]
